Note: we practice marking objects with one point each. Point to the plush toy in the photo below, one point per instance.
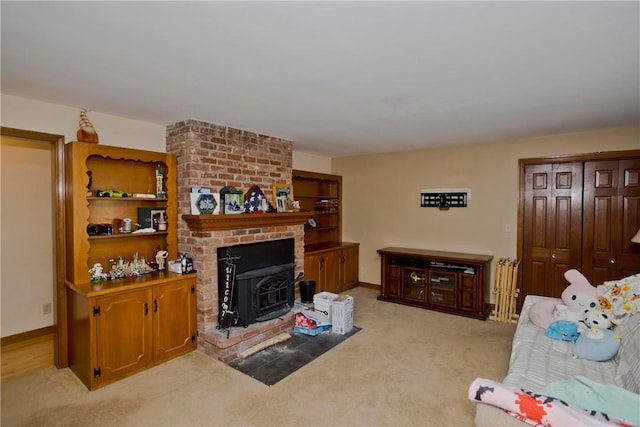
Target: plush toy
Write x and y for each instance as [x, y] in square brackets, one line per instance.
[596, 319]
[596, 345]
[563, 330]
[541, 313]
[577, 298]
[580, 295]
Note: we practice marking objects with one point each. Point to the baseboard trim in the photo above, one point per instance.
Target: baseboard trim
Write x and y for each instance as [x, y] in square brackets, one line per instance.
[24, 336]
[369, 285]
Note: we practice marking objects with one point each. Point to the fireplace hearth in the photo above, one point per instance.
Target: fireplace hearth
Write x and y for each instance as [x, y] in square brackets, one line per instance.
[263, 288]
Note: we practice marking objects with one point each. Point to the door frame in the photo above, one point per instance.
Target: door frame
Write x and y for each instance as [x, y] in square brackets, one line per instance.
[59, 218]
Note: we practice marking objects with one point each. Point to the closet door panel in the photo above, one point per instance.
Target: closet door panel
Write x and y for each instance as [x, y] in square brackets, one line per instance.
[611, 219]
[628, 259]
[552, 223]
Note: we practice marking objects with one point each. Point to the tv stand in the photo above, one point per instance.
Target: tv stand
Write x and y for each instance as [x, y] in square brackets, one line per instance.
[444, 281]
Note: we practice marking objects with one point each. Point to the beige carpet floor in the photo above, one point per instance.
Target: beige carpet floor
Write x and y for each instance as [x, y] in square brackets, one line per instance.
[406, 367]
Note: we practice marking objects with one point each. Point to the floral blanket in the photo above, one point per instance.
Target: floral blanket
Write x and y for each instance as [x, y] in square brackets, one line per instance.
[537, 409]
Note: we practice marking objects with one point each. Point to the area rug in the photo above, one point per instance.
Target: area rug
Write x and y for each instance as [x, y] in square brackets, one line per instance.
[280, 360]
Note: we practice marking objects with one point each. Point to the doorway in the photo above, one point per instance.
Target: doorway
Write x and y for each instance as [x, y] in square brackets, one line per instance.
[25, 142]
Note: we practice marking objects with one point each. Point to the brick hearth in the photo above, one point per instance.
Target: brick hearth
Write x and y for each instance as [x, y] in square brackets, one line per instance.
[213, 156]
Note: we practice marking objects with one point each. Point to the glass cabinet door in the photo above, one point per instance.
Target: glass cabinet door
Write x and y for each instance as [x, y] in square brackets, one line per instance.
[442, 288]
[413, 283]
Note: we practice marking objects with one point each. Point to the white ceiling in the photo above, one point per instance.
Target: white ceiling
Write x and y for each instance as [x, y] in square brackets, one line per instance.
[336, 78]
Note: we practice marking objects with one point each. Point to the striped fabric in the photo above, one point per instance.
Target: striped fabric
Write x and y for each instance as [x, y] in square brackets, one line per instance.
[628, 356]
[537, 361]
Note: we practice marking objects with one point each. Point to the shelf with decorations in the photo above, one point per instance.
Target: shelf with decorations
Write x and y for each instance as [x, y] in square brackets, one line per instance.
[320, 195]
[158, 307]
[121, 174]
[329, 261]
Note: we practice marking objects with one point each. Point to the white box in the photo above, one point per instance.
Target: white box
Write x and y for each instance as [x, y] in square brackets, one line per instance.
[322, 303]
[175, 266]
[342, 314]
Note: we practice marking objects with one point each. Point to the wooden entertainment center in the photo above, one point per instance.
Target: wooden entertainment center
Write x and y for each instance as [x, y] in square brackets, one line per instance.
[444, 281]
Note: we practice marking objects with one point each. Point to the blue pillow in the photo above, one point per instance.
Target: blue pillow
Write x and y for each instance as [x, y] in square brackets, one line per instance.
[597, 345]
[564, 330]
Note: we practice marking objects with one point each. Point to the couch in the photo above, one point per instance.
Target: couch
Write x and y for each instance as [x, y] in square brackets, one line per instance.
[537, 361]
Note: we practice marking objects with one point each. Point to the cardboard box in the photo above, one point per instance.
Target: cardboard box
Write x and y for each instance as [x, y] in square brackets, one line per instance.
[342, 314]
[322, 303]
[311, 323]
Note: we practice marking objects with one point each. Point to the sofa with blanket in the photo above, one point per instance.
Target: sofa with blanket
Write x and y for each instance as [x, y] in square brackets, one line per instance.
[538, 362]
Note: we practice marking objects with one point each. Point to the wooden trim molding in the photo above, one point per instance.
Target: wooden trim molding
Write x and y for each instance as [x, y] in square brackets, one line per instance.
[369, 285]
[235, 222]
[24, 336]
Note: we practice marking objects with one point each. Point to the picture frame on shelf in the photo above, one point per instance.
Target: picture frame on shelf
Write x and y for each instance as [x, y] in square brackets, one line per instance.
[233, 203]
[148, 217]
[282, 190]
[205, 203]
[157, 215]
[281, 203]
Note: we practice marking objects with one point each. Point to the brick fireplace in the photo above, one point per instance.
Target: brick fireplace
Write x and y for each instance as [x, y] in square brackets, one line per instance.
[213, 156]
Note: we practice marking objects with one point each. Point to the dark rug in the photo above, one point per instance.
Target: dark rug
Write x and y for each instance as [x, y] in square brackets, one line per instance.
[278, 361]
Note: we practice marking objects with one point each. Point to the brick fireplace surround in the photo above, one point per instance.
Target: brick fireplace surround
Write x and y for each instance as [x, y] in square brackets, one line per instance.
[213, 156]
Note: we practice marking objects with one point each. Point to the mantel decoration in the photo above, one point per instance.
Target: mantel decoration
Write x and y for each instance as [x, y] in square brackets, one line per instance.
[283, 196]
[256, 202]
[204, 202]
[86, 132]
[232, 200]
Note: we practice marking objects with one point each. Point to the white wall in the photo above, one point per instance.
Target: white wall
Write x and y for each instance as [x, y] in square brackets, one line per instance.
[39, 116]
[26, 225]
[381, 206]
[311, 162]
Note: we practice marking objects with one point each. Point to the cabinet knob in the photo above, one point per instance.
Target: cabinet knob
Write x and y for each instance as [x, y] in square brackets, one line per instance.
[553, 256]
[612, 261]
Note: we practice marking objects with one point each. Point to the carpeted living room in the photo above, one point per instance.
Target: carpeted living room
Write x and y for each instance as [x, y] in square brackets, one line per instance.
[406, 367]
[183, 181]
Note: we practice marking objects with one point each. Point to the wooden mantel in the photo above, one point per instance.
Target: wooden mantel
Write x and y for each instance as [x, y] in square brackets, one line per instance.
[238, 221]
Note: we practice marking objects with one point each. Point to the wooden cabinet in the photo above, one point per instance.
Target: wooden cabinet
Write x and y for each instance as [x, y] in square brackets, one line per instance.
[120, 327]
[93, 167]
[134, 173]
[444, 281]
[578, 212]
[334, 267]
[321, 195]
[331, 263]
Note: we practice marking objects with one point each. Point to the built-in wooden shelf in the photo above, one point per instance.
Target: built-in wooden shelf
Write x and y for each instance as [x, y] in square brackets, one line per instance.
[238, 221]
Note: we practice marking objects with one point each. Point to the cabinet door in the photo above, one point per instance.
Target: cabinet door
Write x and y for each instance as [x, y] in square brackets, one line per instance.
[611, 218]
[442, 288]
[312, 270]
[467, 292]
[349, 267]
[393, 278]
[552, 227]
[414, 283]
[331, 266]
[174, 315]
[123, 334]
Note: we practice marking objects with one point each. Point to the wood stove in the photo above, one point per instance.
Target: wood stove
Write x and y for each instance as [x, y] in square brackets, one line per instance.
[263, 288]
